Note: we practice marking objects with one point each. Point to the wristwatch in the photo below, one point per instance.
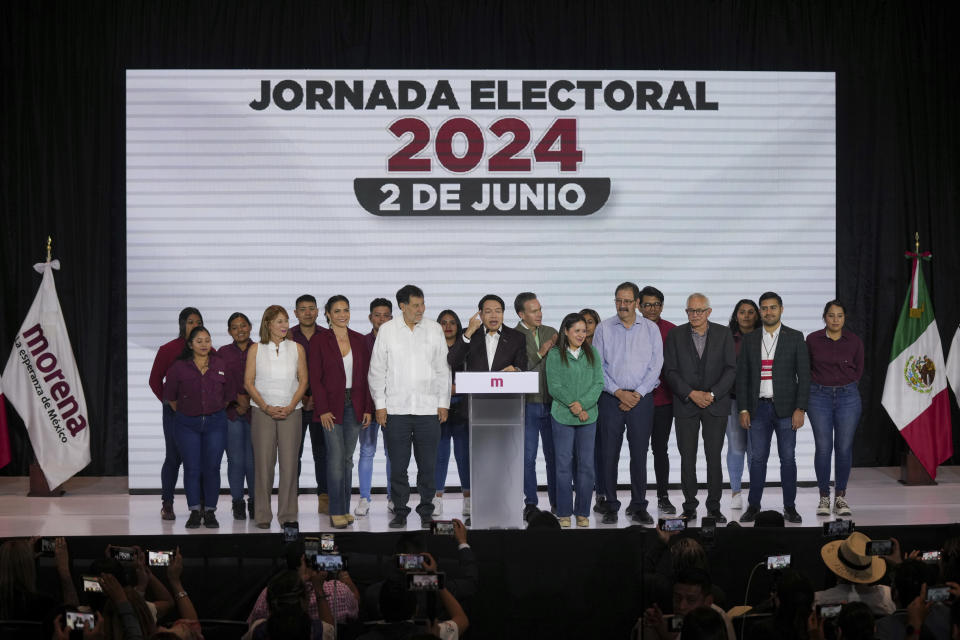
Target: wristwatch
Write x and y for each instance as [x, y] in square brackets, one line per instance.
[711, 395]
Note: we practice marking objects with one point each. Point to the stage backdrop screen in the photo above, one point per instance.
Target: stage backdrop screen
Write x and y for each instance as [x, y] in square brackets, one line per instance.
[250, 188]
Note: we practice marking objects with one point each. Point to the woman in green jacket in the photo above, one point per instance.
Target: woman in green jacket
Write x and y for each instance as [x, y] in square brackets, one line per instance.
[575, 381]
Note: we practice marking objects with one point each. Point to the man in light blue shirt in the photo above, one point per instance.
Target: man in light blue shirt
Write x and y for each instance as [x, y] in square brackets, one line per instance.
[632, 354]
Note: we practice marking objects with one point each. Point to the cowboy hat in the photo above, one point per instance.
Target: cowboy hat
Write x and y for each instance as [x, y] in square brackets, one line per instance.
[848, 559]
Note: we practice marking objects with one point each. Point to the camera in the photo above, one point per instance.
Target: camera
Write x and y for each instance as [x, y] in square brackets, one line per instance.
[672, 524]
[938, 594]
[45, 547]
[838, 528]
[441, 527]
[829, 610]
[123, 554]
[291, 532]
[326, 543]
[330, 562]
[159, 558]
[778, 562]
[879, 547]
[77, 621]
[91, 584]
[930, 556]
[410, 561]
[675, 623]
[425, 581]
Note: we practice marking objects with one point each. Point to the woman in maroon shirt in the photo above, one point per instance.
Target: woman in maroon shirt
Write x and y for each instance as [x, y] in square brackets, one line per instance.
[836, 365]
[199, 385]
[189, 319]
[239, 445]
[341, 398]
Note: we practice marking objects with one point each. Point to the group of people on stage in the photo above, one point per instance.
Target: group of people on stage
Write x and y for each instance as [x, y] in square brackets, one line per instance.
[630, 373]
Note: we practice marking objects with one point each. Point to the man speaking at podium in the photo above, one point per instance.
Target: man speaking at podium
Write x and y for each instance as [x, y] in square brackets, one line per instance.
[496, 348]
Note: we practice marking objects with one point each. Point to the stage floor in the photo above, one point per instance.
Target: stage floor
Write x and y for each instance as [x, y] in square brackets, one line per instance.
[102, 507]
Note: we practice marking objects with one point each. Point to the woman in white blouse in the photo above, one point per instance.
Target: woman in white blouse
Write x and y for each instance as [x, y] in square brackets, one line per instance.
[276, 379]
[341, 398]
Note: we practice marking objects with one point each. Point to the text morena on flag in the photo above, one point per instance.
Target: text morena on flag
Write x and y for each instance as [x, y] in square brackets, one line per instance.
[42, 383]
[915, 389]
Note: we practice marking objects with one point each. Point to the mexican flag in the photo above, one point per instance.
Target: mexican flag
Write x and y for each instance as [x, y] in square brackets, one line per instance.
[915, 391]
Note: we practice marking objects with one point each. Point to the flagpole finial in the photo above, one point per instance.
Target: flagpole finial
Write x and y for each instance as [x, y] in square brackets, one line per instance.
[49, 246]
[916, 237]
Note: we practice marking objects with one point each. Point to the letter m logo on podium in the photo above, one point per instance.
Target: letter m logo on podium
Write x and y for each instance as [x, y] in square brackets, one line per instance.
[496, 382]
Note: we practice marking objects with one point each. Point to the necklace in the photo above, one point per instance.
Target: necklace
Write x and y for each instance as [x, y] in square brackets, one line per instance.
[773, 346]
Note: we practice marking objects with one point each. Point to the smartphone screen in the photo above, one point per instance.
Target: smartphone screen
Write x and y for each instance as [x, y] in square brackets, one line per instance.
[675, 623]
[123, 554]
[409, 561]
[442, 527]
[159, 558]
[92, 584]
[777, 562]
[879, 547]
[838, 528]
[46, 547]
[938, 594]
[290, 533]
[326, 543]
[829, 610]
[80, 621]
[930, 556]
[424, 581]
[673, 524]
[330, 562]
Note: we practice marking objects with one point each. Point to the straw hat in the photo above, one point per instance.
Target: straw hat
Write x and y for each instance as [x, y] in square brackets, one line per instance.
[849, 560]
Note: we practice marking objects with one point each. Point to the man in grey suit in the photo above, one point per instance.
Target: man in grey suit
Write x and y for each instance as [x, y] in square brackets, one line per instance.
[773, 387]
[700, 366]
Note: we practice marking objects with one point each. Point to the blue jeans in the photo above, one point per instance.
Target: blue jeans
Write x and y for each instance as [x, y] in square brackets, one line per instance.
[568, 439]
[239, 458]
[201, 441]
[834, 415]
[763, 424]
[638, 423]
[368, 449]
[318, 445]
[340, 443]
[738, 448]
[460, 434]
[537, 424]
[170, 470]
[423, 432]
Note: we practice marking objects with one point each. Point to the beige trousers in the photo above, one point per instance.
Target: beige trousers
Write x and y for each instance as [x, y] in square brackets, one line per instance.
[272, 438]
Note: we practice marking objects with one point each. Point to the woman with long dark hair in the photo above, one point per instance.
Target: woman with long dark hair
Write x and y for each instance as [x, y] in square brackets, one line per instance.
[744, 319]
[338, 362]
[455, 428]
[592, 318]
[239, 445]
[199, 386]
[189, 319]
[575, 381]
[836, 365]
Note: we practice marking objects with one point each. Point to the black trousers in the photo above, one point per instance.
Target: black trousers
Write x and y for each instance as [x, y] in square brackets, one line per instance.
[688, 431]
[659, 437]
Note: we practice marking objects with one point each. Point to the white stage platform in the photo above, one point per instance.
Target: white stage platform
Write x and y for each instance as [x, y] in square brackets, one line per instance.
[102, 506]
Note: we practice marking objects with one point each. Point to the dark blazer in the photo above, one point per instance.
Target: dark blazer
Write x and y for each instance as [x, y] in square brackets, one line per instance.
[511, 350]
[791, 372]
[328, 380]
[685, 371]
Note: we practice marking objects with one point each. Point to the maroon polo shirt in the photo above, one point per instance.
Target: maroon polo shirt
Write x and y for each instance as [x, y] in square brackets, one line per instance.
[662, 395]
[370, 339]
[297, 336]
[166, 356]
[199, 394]
[835, 363]
[236, 360]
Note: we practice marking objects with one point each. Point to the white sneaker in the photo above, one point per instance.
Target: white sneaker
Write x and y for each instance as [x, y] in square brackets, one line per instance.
[437, 506]
[823, 507]
[389, 506]
[840, 506]
[736, 501]
[466, 506]
[363, 508]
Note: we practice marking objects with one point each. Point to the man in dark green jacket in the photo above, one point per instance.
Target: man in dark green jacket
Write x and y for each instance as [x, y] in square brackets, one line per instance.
[773, 386]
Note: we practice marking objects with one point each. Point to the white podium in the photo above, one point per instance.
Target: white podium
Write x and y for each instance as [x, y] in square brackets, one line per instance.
[496, 444]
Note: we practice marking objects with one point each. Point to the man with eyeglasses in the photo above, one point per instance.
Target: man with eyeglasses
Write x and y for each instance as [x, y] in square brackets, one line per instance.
[700, 363]
[773, 388]
[651, 306]
[631, 353]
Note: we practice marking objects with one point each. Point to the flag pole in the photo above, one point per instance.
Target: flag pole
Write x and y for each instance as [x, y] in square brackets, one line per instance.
[49, 247]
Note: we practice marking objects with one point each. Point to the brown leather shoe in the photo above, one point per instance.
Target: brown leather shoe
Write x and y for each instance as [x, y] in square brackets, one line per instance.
[323, 503]
[166, 512]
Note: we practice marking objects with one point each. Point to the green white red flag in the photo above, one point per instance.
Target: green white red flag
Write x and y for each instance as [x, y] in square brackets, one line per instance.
[915, 391]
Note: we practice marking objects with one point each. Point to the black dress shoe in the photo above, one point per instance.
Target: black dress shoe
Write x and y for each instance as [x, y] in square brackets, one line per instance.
[193, 522]
[750, 514]
[398, 522]
[689, 514]
[718, 517]
[610, 517]
[601, 505]
[665, 506]
[210, 520]
[529, 511]
[239, 510]
[629, 510]
[425, 520]
[641, 516]
[790, 515]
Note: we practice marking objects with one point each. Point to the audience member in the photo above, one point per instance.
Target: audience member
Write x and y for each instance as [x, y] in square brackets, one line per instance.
[288, 618]
[792, 601]
[857, 575]
[704, 623]
[692, 589]
[20, 599]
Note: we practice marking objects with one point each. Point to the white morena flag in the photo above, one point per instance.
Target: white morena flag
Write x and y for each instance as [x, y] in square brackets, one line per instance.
[953, 365]
[915, 390]
[42, 383]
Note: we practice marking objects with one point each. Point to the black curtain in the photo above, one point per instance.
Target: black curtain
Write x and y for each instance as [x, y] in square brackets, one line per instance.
[62, 162]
